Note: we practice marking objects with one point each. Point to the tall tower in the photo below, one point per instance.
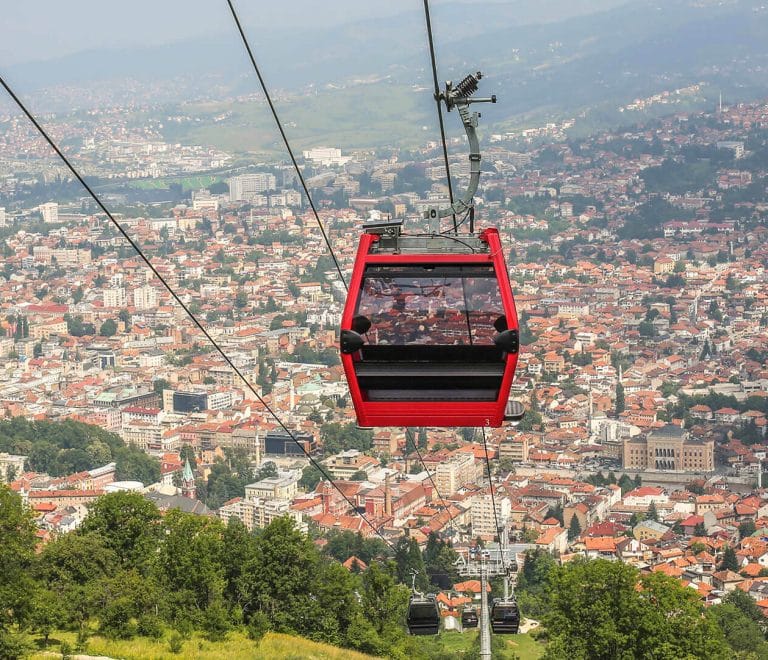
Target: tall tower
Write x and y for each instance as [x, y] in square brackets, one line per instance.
[188, 482]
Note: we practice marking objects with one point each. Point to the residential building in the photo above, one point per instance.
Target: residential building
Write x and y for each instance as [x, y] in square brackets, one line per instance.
[11, 466]
[145, 297]
[514, 448]
[274, 488]
[50, 212]
[483, 516]
[257, 513]
[244, 187]
[347, 463]
[458, 471]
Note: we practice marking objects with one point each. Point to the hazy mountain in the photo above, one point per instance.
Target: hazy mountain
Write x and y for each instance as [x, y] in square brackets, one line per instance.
[552, 56]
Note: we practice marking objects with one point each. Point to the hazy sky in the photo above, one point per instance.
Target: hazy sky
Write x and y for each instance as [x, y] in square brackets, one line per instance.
[45, 29]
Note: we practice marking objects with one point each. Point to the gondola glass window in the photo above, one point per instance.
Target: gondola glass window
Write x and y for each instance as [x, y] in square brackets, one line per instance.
[430, 305]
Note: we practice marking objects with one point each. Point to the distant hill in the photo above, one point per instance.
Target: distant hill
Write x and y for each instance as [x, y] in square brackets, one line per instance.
[542, 62]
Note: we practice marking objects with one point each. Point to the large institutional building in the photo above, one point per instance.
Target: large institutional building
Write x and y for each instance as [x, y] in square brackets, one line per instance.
[246, 186]
[669, 448]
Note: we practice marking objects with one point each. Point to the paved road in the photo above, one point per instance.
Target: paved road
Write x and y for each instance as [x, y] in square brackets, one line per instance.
[527, 625]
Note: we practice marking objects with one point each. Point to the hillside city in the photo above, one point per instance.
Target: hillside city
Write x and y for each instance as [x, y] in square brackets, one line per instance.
[639, 262]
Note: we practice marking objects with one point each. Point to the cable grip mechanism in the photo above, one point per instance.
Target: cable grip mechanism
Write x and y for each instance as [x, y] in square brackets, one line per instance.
[460, 97]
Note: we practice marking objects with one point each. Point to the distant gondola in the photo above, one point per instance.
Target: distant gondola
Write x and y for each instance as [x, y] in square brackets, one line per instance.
[469, 618]
[423, 615]
[505, 617]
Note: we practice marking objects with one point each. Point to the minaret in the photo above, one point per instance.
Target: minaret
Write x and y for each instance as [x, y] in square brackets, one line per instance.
[188, 482]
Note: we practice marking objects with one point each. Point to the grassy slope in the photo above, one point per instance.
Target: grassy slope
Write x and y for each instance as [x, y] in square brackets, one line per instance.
[523, 647]
[363, 116]
[236, 647]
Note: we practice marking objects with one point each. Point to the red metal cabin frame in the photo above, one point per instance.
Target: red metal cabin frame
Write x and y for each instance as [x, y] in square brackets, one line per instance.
[430, 413]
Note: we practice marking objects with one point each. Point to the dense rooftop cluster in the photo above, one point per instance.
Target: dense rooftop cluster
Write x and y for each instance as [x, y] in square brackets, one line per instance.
[640, 261]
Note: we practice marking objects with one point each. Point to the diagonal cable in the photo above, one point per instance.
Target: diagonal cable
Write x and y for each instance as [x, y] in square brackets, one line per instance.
[439, 109]
[186, 309]
[409, 433]
[285, 140]
[493, 499]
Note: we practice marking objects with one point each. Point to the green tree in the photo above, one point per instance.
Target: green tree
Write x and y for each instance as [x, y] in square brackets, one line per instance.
[653, 514]
[742, 633]
[747, 605]
[626, 484]
[310, 477]
[620, 401]
[71, 566]
[747, 528]
[409, 560]
[730, 562]
[662, 619]
[337, 437]
[17, 551]
[134, 465]
[281, 578]
[48, 613]
[384, 602]
[160, 384]
[122, 600]
[574, 529]
[189, 563]
[241, 299]
[108, 328]
[129, 525]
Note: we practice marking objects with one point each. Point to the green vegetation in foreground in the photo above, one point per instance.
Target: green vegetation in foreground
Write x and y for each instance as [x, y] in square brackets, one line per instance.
[236, 647]
[459, 645]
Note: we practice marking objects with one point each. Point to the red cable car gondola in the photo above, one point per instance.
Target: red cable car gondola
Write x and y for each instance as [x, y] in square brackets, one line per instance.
[429, 334]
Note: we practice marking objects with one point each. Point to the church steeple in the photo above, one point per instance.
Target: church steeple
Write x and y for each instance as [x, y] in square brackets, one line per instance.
[188, 482]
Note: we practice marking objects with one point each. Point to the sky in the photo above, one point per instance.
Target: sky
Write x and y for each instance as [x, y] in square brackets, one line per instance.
[47, 29]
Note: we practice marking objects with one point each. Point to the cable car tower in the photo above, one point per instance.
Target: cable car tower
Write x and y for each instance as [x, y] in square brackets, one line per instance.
[429, 333]
[503, 616]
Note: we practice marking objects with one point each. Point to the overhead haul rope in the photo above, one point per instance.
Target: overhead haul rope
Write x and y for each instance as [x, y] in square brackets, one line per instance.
[285, 140]
[298, 171]
[493, 500]
[409, 433]
[471, 83]
[439, 109]
[189, 313]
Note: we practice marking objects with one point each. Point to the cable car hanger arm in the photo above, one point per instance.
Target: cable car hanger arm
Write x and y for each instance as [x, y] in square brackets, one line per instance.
[460, 97]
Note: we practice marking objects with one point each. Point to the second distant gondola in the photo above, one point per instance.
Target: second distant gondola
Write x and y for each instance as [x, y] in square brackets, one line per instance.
[505, 617]
[469, 618]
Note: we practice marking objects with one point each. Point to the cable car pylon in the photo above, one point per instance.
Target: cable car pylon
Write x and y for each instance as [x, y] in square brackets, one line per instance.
[502, 616]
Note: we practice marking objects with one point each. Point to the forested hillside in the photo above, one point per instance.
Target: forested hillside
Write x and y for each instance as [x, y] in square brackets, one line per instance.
[61, 448]
[130, 573]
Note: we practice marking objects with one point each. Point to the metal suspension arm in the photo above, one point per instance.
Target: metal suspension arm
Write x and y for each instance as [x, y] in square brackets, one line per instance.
[460, 97]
